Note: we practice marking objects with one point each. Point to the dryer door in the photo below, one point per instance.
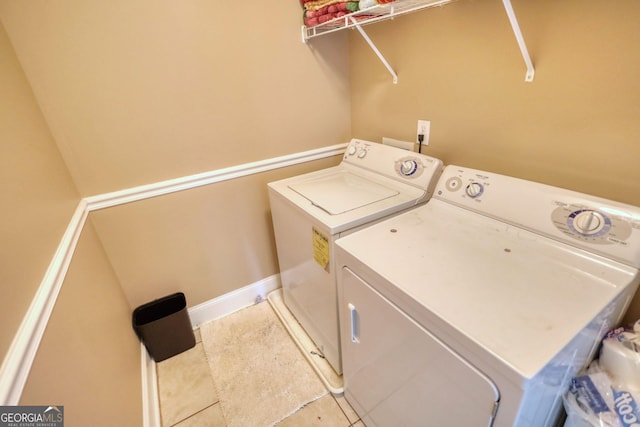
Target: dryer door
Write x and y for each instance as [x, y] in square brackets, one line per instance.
[396, 373]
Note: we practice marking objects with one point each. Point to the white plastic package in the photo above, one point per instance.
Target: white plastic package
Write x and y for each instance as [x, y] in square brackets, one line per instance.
[620, 358]
[607, 394]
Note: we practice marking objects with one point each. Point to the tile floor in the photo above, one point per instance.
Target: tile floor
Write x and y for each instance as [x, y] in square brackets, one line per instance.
[188, 397]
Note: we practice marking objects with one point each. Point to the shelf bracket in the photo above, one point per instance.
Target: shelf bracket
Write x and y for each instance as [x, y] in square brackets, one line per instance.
[375, 50]
[523, 47]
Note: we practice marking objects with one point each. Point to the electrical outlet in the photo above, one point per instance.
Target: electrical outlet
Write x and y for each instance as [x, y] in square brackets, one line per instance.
[424, 128]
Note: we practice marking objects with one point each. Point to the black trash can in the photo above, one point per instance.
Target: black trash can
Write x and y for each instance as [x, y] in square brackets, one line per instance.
[164, 326]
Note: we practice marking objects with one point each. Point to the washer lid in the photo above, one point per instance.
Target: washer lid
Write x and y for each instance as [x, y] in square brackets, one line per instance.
[342, 192]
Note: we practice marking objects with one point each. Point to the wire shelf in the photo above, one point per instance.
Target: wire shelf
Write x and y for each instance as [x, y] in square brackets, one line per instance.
[370, 15]
[382, 12]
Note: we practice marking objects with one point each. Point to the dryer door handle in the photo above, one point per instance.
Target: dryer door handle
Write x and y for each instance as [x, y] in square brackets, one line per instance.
[353, 315]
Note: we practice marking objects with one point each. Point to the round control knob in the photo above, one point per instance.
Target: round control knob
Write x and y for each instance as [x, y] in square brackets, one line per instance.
[362, 153]
[588, 222]
[408, 167]
[352, 150]
[475, 189]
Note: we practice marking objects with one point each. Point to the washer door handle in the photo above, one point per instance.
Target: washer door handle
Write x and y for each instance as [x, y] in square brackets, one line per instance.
[353, 314]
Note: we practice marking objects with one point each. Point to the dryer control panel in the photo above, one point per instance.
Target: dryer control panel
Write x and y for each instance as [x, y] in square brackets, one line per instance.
[599, 225]
[591, 225]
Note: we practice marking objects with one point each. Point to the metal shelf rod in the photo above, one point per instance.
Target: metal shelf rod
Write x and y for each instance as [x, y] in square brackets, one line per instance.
[375, 50]
[523, 47]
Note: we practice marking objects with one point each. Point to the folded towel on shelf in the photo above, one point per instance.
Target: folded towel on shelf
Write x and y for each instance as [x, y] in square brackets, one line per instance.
[351, 6]
[321, 19]
[364, 4]
[367, 3]
[313, 16]
[319, 4]
[338, 7]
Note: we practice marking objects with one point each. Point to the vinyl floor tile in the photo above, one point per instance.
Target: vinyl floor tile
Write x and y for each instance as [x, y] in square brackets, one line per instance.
[324, 412]
[208, 417]
[185, 386]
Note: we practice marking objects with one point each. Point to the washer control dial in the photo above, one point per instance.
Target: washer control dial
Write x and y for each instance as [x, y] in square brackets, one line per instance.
[362, 153]
[408, 167]
[352, 150]
[474, 189]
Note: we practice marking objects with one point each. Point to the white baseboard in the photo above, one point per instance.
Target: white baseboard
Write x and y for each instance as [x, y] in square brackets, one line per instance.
[233, 301]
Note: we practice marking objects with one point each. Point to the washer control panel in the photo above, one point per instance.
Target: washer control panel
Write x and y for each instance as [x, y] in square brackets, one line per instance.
[599, 225]
[406, 166]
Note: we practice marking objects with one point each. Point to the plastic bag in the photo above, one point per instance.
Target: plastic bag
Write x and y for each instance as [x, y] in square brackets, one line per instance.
[620, 357]
[608, 392]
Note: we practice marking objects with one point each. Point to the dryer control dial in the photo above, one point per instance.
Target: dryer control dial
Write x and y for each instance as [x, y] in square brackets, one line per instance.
[408, 167]
[591, 225]
[588, 222]
[475, 189]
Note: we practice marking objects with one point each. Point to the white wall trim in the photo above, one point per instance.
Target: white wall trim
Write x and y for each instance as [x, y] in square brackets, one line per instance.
[18, 360]
[150, 399]
[142, 192]
[233, 301]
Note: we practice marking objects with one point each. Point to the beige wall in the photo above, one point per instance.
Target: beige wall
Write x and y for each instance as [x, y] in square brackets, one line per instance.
[577, 125]
[204, 242]
[137, 92]
[141, 91]
[38, 197]
[89, 357]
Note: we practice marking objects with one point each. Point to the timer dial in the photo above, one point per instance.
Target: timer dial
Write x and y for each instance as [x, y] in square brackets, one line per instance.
[591, 225]
[475, 189]
[588, 222]
[408, 167]
[352, 150]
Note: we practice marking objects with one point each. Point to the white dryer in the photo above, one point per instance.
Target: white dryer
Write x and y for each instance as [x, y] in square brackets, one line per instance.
[477, 308]
[310, 211]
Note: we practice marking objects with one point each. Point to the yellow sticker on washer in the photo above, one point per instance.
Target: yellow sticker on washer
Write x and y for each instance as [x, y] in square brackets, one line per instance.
[320, 248]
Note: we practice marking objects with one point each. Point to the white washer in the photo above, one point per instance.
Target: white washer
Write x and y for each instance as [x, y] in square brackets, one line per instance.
[310, 211]
[477, 308]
